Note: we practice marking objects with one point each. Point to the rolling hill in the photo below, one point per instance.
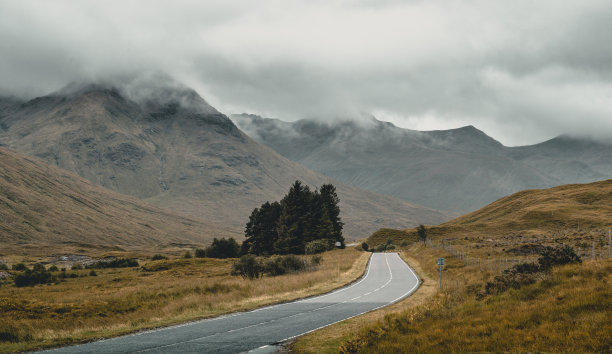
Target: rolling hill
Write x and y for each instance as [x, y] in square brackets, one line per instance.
[579, 215]
[44, 206]
[159, 141]
[458, 170]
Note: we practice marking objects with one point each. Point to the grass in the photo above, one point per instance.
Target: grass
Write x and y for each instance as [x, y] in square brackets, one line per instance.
[119, 301]
[567, 311]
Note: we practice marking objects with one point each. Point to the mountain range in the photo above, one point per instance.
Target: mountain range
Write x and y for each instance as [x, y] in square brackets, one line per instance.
[456, 170]
[159, 141]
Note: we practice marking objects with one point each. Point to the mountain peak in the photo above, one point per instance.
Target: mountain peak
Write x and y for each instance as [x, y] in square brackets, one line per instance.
[151, 91]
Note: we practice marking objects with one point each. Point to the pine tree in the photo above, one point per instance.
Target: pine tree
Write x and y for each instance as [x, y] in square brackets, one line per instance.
[260, 230]
[293, 222]
[331, 203]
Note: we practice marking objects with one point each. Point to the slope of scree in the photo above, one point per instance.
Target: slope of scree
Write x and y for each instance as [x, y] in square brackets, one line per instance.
[457, 170]
[161, 142]
[41, 204]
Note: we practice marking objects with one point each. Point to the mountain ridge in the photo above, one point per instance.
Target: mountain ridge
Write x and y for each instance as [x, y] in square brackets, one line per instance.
[457, 170]
[190, 159]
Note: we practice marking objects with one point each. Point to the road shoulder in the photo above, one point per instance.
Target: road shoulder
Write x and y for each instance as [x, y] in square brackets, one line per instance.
[329, 339]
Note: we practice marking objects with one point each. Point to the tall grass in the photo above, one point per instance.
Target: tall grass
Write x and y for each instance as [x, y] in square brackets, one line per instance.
[567, 310]
[123, 300]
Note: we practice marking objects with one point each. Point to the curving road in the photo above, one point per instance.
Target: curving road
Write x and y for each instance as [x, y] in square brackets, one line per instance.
[388, 279]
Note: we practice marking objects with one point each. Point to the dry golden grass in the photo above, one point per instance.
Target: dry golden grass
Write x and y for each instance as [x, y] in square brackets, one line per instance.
[568, 310]
[578, 215]
[119, 301]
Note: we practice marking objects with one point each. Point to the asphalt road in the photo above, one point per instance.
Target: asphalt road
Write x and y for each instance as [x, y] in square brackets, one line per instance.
[388, 279]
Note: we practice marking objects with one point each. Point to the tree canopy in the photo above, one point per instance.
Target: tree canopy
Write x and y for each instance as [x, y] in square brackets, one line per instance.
[302, 216]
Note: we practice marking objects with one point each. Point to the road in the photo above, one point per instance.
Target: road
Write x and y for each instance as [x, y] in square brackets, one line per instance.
[388, 279]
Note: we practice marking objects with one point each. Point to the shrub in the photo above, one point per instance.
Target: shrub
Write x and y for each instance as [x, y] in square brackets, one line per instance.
[53, 268]
[3, 266]
[284, 264]
[551, 256]
[19, 267]
[114, 263]
[248, 267]
[32, 277]
[38, 267]
[365, 247]
[187, 254]
[223, 248]
[318, 246]
[316, 260]
[200, 253]
[76, 266]
[158, 257]
[92, 273]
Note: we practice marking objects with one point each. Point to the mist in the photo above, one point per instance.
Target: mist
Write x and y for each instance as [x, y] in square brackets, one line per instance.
[521, 71]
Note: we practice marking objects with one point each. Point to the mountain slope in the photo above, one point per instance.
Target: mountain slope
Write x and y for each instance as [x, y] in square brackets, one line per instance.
[161, 142]
[458, 170]
[41, 204]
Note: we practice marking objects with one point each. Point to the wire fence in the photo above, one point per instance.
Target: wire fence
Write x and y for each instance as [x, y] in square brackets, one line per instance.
[499, 264]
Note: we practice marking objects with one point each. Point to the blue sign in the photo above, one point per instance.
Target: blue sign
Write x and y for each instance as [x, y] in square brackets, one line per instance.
[440, 261]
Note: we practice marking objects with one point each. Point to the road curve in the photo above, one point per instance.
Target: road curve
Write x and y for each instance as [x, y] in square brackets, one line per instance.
[388, 279]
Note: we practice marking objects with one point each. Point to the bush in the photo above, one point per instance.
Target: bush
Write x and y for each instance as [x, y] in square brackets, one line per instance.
[53, 268]
[92, 273]
[365, 247]
[515, 277]
[551, 256]
[319, 246]
[187, 255]
[38, 267]
[113, 263]
[200, 253]
[32, 277]
[3, 266]
[19, 267]
[223, 248]
[76, 266]
[284, 264]
[248, 267]
[316, 260]
[158, 257]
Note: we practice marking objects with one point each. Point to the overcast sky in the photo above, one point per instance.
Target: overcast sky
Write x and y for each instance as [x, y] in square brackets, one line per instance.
[522, 71]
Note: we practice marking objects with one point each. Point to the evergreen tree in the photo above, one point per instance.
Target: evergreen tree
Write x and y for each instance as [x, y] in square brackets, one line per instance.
[294, 220]
[261, 230]
[331, 203]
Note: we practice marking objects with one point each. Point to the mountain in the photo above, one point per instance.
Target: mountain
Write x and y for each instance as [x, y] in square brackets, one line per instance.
[42, 205]
[161, 142]
[457, 170]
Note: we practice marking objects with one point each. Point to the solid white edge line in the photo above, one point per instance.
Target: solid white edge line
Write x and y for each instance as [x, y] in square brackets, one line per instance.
[359, 314]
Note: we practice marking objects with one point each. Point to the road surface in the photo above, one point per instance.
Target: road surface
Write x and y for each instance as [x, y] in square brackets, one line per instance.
[388, 279]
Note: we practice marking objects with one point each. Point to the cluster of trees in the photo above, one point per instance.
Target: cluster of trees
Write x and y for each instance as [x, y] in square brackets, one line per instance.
[288, 226]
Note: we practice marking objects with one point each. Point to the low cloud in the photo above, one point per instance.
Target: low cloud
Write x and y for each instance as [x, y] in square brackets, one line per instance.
[522, 71]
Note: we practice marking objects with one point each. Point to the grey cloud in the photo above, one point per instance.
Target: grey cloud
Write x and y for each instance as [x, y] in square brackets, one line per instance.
[522, 71]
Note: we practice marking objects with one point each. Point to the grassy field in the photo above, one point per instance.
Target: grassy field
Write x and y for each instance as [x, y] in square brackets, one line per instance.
[568, 309]
[123, 300]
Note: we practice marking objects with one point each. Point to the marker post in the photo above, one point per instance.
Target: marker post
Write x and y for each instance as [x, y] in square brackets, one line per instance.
[441, 264]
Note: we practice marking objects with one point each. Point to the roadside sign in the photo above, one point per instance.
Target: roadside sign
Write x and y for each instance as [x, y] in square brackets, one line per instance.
[440, 261]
